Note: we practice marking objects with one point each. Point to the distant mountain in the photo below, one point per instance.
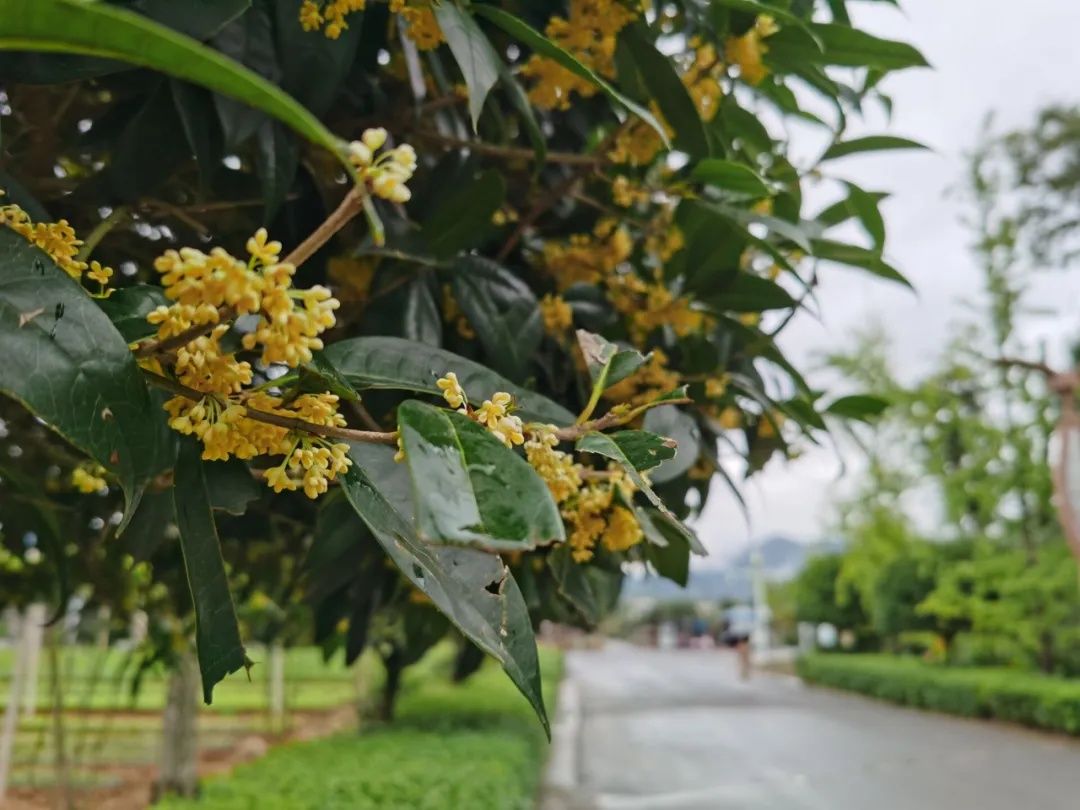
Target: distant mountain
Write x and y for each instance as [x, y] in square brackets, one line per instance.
[781, 560]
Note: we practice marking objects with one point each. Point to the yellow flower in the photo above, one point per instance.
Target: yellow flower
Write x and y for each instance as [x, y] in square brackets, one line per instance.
[261, 250]
[384, 172]
[451, 389]
[557, 315]
[86, 478]
[623, 530]
[311, 18]
[748, 51]
[716, 387]
[493, 410]
[731, 418]
[509, 430]
[560, 473]
[57, 239]
[420, 24]
[332, 13]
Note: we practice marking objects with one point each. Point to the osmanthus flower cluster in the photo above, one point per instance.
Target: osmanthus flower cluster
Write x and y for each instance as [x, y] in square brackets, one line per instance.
[416, 16]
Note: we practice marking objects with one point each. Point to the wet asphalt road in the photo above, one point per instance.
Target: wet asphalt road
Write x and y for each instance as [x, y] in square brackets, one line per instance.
[677, 731]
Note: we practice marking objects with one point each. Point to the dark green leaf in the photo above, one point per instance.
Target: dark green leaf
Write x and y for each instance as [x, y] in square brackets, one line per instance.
[870, 143]
[730, 176]
[249, 41]
[860, 257]
[231, 486]
[276, 162]
[422, 319]
[674, 423]
[66, 362]
[750, 293]
[128, 307]
[469, 488]
[479, 64]
[195, 106]
[462, 216]
[667, 89]
[866, 209]
[149, 149]
[503, 310]
[320, 375]
[593, 591]
[472, 589]
[98, 29]
[643, 448]
[313, 67]
[528, 35]
[217, 635]
[395, 363]
[668, 550]
[845, 46]
[857, 406]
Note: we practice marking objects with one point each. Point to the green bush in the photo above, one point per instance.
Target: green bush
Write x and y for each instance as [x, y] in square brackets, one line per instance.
[1030, 698]
[475, 744]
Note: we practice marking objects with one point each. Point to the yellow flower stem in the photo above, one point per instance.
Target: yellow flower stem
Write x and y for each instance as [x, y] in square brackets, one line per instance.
[287, 422]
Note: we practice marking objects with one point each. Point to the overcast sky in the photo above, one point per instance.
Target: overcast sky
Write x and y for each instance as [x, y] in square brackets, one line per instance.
[987, 55]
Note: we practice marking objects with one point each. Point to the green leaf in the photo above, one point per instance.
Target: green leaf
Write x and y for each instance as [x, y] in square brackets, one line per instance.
[870, 143]
[528, 35]
[249, 41]
[313, 67]
[276, 161]
[200, 19]
[320, 375]
[422, 320]
[755, 8]
[677, 424]
[128, 307]
[857, 406]
[606, 361]
[64, 360]
[479, 64]
[520, 99]
[472, 589]
[217, 635]
[231, 486]
[150, 148]
[843, 45]
[470, 488]
[866, 209]
[667, 89]
[604, 445]
[855, 256]
[462, 217]
[843, 210]
[750, 293]
[395, 363]
[731, 176]
[98, 29]
[195, 106]
[592, 590]
[667, 550]
[504, 312]
[643, 448]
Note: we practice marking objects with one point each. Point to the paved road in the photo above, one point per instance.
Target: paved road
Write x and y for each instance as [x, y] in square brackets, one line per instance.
[677, 731]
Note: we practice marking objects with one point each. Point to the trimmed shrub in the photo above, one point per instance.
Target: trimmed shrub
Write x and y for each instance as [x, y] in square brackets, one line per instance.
[1028, 698]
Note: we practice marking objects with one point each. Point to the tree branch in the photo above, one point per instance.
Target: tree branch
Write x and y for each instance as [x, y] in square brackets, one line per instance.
[352, 205]
[151, 346]
[287, 422]
[510, 152]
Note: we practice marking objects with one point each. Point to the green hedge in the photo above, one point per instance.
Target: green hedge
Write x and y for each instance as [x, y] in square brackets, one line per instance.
[472, 745]
[1029, 698]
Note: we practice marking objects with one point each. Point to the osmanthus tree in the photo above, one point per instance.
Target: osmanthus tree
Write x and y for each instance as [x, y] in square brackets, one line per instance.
[475, 289]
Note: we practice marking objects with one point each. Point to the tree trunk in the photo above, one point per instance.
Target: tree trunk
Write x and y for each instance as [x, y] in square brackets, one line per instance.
[11, 712]
[56, 688]
[178, 773]
[33, 635]
[394, 668]
[275, 684]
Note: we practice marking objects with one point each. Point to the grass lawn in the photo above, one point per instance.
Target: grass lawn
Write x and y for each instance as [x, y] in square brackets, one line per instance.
[477, 745]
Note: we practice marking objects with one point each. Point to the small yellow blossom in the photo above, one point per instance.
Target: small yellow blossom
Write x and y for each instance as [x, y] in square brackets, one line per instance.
[623, 530]
[494, 409]
[87, 478]
[557, 315]
[420, 23]
[332, 13]
[748, 51]
[451, 389]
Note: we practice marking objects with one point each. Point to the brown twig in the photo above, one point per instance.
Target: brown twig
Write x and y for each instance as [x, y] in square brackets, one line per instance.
[287, 422]
[352, 205]
[1030, 365]
[509, 152]
[613, 418]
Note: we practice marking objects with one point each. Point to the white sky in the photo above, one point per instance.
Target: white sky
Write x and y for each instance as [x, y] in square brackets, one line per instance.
[987, 55]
